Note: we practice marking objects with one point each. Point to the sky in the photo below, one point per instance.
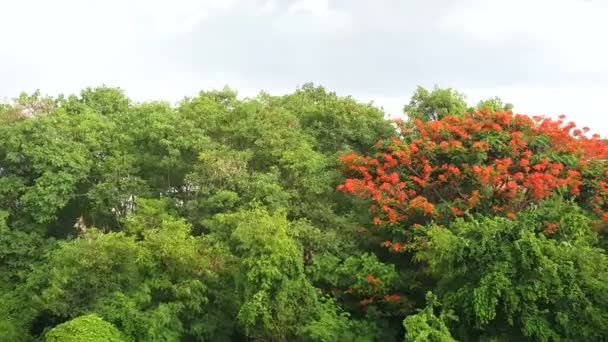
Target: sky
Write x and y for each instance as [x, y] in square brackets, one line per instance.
[547, 57]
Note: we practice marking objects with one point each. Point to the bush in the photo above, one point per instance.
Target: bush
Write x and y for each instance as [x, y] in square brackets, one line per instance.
[88, 328]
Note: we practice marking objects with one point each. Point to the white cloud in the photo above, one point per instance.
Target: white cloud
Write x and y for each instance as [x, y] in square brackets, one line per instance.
[305, 17]
[175, 17]
[269, 7]
[570, 31]
[545, 19]
[547, 57]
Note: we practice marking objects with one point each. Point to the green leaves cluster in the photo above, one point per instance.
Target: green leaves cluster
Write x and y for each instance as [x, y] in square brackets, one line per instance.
[435, 104]
[508, 279]
[88, 328]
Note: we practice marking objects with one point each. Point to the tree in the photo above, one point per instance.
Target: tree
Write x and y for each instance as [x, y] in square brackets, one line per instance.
[337, 123]
[154, 280]
[434, 105]
[44, 162]
[426, 326]
[276, 296]
[89, 328]
[494, 104]
[484, 162]
[518, 279]
[218, 219]
[105, 100]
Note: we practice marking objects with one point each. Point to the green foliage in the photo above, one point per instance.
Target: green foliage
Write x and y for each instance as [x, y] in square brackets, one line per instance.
[426, 326]
[154, 281]
[89, 328]
[82, 271]
[510, 279]
[337, 123]
[433, 105]
[217, 219]
[334, 325]
[18, 251]
[494, 104]
[105, 100]
[276, 295]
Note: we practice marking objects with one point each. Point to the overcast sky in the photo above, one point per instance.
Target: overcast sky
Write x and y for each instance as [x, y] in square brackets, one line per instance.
[546, 56]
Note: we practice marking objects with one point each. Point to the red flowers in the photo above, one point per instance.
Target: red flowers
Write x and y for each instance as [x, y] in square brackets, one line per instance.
[550, 228]
[441, 168]
[456, 211]
[348, 158]
[392, 298]
[398, 246]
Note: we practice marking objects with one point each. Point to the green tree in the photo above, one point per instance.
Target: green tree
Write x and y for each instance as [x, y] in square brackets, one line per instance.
[517, 280]
[105, 100]
[155, 281]
[494, 104]
[89, 328]
[434, 105]
[276, 296]
[426, 326]
[89, 169]
[337, 123]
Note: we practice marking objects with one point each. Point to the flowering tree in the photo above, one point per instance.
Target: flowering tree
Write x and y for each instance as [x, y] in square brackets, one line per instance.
[517, 176]
[484, 162]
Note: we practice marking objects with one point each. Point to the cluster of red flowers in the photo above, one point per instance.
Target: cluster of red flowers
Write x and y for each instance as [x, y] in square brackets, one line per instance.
[395, 298]
[395, 246]
[550, 228]
[392, 298]
[496, 162]
[371, 279]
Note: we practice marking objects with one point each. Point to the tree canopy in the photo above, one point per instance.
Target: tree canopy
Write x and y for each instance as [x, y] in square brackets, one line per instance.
[302, 217]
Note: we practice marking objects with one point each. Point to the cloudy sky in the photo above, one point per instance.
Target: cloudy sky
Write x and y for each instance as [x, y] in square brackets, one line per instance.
[546, 56]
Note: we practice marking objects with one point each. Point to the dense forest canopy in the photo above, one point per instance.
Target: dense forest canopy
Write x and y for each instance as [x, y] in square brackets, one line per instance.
[302, 217]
